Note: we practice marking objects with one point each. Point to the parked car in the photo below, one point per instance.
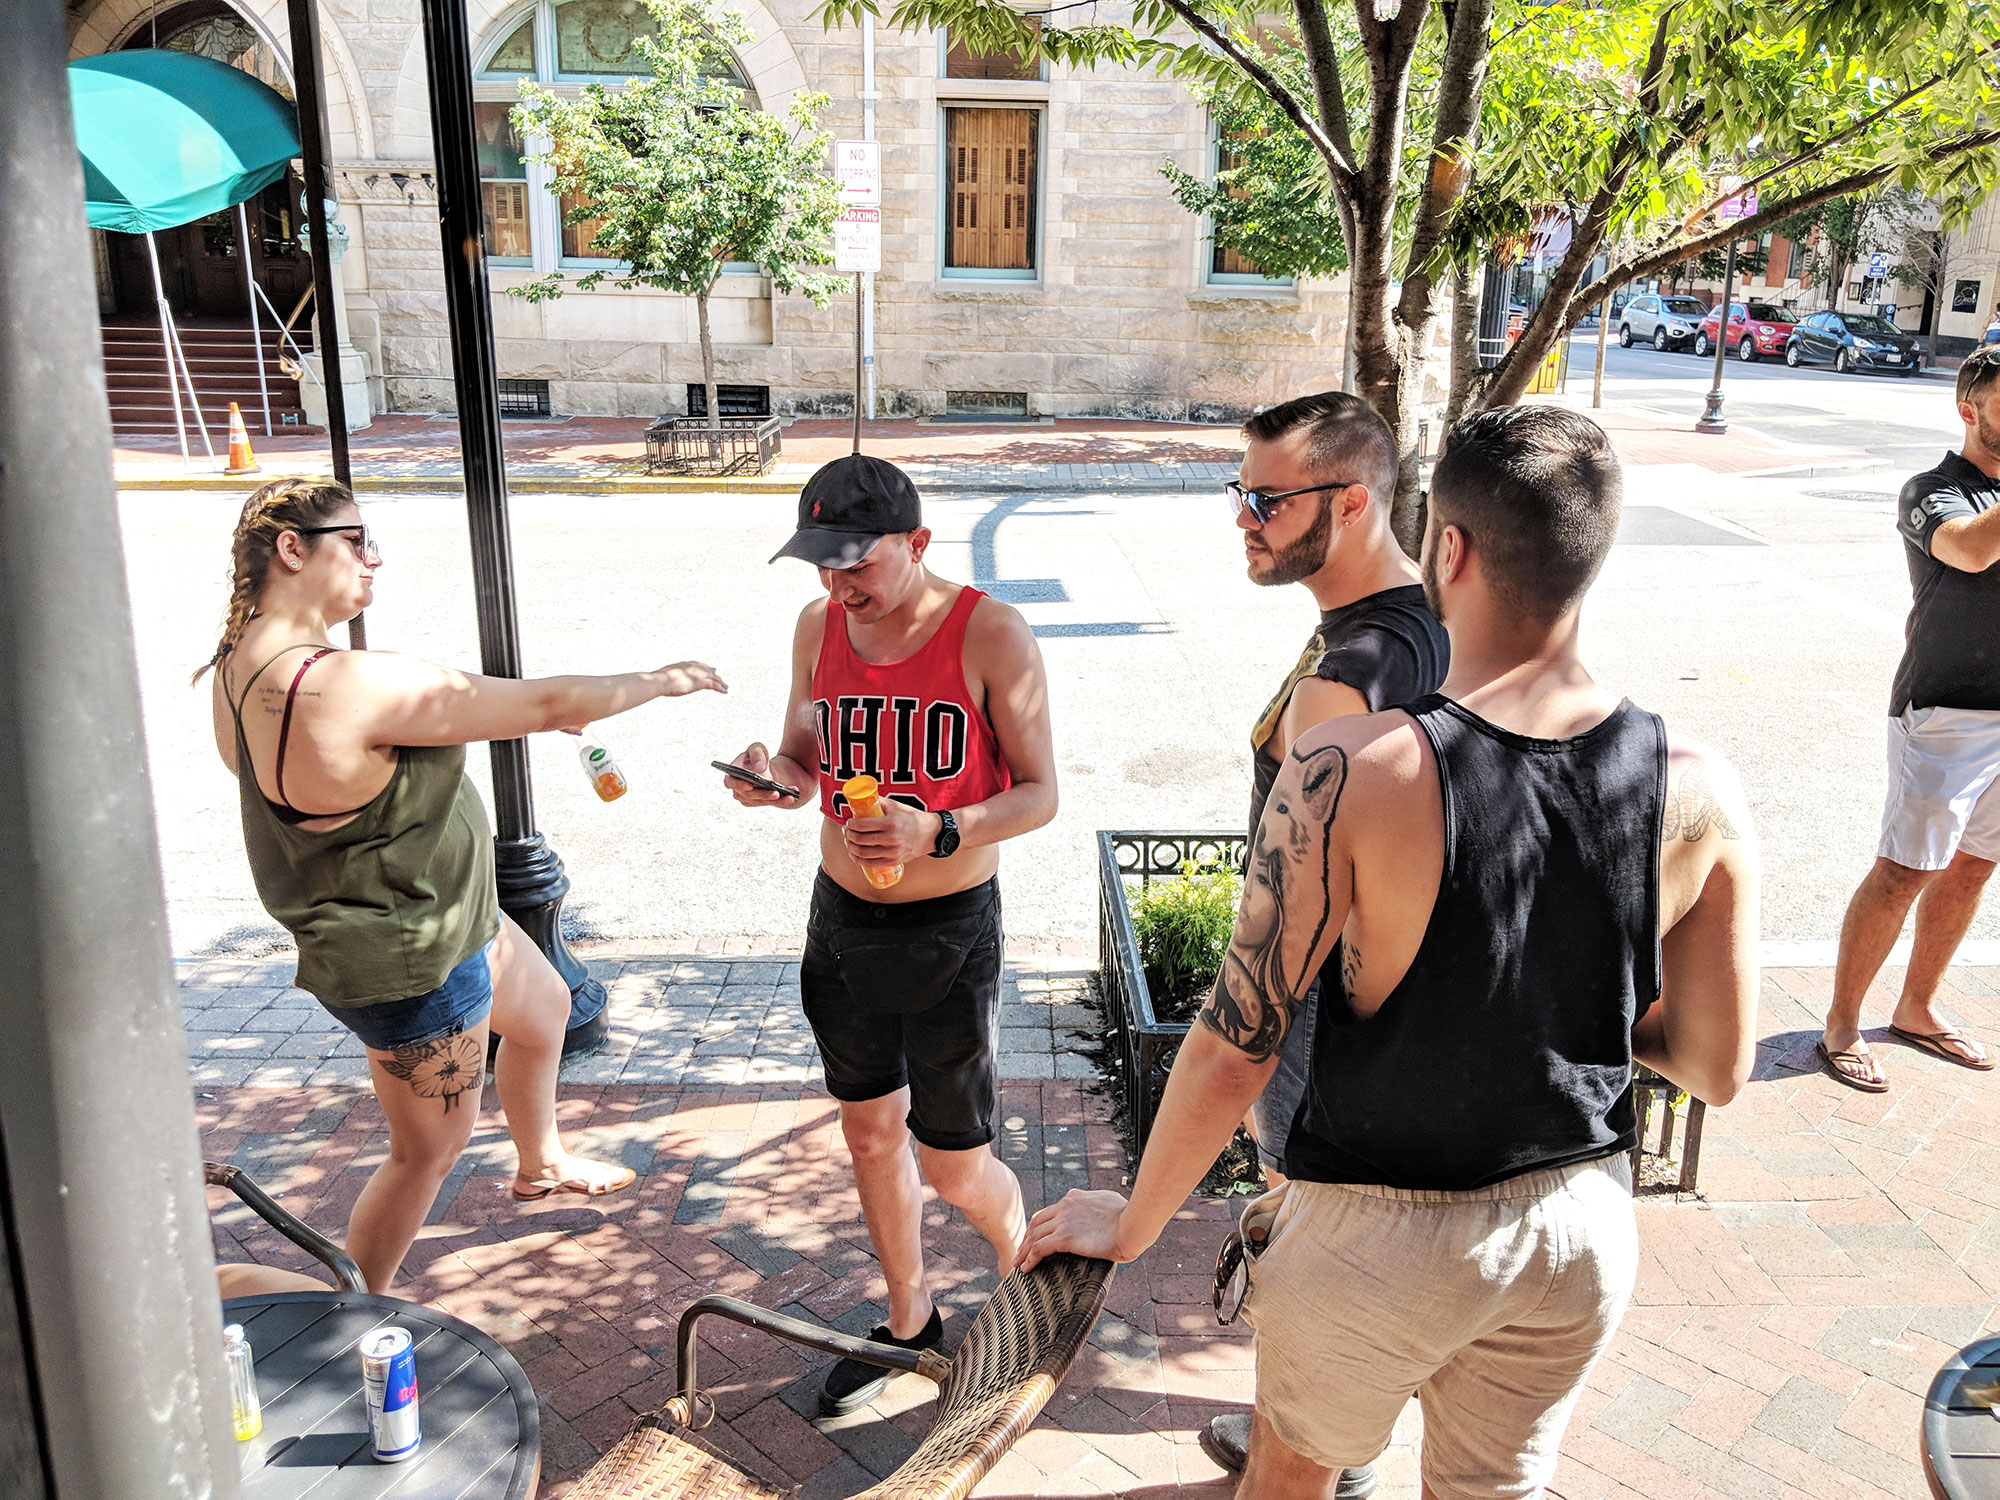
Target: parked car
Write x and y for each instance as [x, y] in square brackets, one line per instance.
[1663, 322]
[1755, 328]
[1852, 341]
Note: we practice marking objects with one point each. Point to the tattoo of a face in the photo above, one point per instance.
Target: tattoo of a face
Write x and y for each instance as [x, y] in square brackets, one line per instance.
[1692, 809]
[444, 1069]
[1286, 900]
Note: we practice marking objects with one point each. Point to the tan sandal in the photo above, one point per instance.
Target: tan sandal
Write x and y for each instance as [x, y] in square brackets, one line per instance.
[545, 1186]
[1935, 1041]
[1833, 1061]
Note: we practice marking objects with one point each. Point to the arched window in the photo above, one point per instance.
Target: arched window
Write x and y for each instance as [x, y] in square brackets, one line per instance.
[562, 45]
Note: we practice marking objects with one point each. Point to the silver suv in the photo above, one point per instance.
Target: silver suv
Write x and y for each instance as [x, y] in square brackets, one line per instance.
[1664, 322]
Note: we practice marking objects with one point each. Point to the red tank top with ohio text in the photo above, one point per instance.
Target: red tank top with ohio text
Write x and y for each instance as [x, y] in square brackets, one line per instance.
[911, 724]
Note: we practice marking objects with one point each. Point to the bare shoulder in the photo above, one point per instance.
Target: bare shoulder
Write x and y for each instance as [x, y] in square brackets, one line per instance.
[811, 628]
[1705, 802]
[998, 634]
[1382, 752]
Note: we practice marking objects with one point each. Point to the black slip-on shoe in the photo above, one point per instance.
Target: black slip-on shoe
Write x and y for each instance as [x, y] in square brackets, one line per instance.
[1226, 1440]
[851, 1385]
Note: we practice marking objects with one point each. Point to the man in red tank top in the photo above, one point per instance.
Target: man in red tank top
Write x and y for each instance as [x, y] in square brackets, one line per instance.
[938, 693]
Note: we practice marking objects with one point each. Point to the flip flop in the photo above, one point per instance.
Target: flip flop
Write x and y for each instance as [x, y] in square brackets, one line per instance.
[1833, 1060]
[544, 1187]
[1934, 1041]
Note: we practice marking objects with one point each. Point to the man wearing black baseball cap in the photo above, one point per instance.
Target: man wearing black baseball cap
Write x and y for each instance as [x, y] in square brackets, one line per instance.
[932, 695]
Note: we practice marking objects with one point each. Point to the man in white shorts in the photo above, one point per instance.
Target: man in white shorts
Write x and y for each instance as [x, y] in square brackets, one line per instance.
[1508, 891]
[1941, 819]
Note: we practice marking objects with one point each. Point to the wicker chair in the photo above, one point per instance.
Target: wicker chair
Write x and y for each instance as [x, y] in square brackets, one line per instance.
[1004, 1371]
[315, 1244]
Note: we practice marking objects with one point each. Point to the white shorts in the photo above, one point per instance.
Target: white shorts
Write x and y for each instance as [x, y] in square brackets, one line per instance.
[1489, 1305]
[1942, 766]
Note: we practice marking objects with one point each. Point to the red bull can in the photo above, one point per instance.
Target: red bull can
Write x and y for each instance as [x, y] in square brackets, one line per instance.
[389, 1379]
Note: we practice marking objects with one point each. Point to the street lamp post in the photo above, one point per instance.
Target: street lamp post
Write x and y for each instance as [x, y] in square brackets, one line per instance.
[531, 878]
[1712, 419]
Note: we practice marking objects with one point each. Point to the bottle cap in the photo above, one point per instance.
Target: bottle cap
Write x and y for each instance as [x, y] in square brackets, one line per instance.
[860, 786]
[233, 1334]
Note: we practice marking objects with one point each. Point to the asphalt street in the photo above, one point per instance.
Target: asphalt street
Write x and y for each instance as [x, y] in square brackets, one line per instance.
[1901, 422]
[1763, 615]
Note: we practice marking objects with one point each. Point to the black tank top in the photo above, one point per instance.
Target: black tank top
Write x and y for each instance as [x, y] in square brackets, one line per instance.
[1507, 1047]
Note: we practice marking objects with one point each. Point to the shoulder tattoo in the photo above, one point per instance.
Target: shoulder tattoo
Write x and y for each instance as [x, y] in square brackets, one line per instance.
[1692, 809]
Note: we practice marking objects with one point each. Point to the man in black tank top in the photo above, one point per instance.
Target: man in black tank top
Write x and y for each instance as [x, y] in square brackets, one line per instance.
[1508, 892]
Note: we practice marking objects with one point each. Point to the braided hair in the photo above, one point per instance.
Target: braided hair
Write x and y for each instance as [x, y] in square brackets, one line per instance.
[280, 506]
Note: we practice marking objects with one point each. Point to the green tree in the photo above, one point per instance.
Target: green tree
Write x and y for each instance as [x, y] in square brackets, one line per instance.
[678, 177]
[1624, 114]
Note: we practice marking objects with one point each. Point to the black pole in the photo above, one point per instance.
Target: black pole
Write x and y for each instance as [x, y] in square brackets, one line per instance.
[1712, 420]
[532, 882]
[115, 1384]
[309, 84]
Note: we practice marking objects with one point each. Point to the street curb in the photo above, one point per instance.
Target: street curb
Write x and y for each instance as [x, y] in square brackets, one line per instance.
[1813, 470]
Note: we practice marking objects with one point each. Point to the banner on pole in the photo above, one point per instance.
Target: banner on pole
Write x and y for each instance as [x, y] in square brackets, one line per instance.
[1742, 206]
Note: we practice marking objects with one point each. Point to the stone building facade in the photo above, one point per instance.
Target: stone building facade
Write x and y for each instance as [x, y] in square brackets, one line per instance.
[1108, 299]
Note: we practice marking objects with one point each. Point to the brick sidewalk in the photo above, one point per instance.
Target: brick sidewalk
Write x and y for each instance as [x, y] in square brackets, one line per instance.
[405, 451]
[1786, 1324]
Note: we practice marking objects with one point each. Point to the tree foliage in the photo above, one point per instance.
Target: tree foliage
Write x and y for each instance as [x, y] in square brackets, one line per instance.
[1439, 123]
[679, 177]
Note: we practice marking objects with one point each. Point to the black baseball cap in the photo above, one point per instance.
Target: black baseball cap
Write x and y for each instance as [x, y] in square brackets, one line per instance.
[847, 507]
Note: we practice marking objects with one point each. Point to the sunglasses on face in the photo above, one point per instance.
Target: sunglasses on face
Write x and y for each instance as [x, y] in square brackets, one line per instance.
[364, 546]
[1263, 504]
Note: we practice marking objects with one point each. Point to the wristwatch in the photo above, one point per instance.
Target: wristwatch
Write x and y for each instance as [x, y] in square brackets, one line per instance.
[947, 839]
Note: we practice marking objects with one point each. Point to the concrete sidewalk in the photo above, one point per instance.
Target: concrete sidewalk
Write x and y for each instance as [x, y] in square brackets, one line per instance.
[603, 455]
[1786, 1324]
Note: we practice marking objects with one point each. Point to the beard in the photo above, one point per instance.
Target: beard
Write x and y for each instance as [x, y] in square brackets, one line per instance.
[1987, 426]
[1301, 559]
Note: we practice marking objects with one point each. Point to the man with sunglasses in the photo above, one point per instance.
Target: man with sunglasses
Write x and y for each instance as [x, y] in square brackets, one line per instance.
[1313, 500]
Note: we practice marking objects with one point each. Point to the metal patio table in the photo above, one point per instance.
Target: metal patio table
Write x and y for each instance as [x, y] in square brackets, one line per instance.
[1961, 1435]
[481, 1429]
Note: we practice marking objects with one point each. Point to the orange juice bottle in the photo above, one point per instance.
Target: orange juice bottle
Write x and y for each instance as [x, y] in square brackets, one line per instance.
[864, 795]
[603, 773]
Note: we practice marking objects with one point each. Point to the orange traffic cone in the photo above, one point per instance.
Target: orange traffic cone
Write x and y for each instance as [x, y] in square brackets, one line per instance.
[241, 459]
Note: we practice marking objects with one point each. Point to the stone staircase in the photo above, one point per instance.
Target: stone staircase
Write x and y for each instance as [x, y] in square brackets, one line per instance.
[223, 363]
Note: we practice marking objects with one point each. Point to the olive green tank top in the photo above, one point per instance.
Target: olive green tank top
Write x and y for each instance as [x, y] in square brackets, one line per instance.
[385, 906]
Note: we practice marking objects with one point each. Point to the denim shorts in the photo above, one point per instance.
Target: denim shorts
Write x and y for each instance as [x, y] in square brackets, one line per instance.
[461, 1001]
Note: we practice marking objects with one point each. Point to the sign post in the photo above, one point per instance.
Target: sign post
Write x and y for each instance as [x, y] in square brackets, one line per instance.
[857, 234]
[1742, 206]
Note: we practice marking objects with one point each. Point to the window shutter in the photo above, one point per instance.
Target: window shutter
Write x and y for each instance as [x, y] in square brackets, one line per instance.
[1001, 237]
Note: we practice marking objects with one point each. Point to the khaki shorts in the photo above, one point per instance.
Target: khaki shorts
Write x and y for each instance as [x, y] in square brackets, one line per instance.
[1490, 1306]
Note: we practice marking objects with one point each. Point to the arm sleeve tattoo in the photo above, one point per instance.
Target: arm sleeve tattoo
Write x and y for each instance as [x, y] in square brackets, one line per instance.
[1286, 909]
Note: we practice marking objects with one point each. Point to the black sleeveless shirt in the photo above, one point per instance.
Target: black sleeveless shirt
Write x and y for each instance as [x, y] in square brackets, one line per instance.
[1507, 1047]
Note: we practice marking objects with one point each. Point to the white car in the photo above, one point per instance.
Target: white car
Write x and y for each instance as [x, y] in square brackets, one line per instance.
[1664, 322]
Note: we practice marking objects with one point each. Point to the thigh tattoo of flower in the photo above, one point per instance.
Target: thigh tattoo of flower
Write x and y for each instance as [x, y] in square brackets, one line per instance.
[444, 1069]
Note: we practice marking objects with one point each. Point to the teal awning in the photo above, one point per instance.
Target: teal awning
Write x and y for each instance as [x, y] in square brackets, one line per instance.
[170, 137]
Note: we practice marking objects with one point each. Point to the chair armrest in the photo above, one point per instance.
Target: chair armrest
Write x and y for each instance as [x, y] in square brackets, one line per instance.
[315, 1244]
[925, 1362]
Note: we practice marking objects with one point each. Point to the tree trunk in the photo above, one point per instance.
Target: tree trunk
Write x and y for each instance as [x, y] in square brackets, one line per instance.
[708, 370]
[1464, 341]
[1603, 333]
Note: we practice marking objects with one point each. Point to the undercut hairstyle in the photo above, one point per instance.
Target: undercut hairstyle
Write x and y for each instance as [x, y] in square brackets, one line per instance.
[1536, 491]
[1346, 438]
[1980, 370]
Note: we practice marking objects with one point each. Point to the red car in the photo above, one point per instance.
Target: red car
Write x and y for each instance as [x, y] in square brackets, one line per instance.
[1755, 328]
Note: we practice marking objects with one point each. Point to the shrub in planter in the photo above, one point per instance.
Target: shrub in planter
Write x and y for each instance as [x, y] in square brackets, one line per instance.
[1183, 928]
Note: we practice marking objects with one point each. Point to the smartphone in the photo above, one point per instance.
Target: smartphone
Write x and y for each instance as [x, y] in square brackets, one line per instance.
[762, 783]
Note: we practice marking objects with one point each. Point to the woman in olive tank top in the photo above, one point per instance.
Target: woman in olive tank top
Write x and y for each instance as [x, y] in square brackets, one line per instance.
[370, 845]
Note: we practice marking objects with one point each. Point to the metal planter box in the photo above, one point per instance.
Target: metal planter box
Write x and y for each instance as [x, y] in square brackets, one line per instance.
[689, 445]
[1145, 1044]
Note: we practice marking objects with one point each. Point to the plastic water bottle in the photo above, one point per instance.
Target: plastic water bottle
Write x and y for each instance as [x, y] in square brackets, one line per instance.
[602, 771]
[246, 1413]
[864, 795]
